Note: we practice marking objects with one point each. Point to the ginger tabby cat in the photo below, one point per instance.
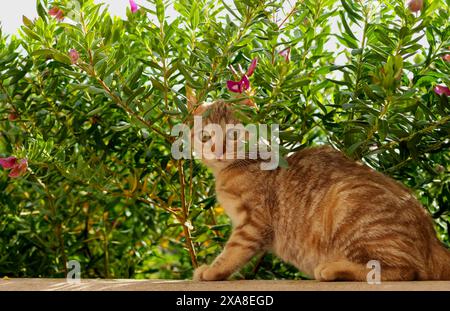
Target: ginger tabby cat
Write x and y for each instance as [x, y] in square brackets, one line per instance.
[325, 214]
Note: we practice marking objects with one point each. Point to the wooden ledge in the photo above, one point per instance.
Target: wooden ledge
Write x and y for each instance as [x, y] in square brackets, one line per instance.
[183, 285]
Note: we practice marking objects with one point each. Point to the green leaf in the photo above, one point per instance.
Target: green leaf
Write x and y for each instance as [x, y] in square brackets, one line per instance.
[95, 111]
[30, 33]
[62, 58]
[158, 85]
[131, 81]
[352, 14]
[121, 127]
[115, 66]
[347, 28]
[352, 149]
[43, 52]
[283, 163]
[27, 22]
[227, 7]
[135, 94]
[41, 11]
[347, 41]
[17, 76]
[184, 71]
[160, 11]
[383, 128]
[89, 88]
[194, 16]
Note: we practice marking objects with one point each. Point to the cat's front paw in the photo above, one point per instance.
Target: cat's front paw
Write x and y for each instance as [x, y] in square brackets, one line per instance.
[199, 273]
[206, 273]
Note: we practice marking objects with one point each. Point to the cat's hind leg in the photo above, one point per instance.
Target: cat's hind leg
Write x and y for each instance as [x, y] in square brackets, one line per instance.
[344, 270]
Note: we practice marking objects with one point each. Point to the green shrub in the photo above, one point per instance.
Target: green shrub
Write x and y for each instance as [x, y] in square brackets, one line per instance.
[102, 187]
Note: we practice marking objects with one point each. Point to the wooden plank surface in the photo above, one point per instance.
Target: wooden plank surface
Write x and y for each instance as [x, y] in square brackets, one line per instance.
[180, 285]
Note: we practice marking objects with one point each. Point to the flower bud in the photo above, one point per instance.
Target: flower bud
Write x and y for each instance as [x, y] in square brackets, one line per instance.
[442, 90]
[133, 6]
[74, 56]
[57, 13]
[13, 116]
[415, 5]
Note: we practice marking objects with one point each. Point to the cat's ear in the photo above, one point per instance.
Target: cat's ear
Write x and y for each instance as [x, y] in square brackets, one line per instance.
[191, 98]
[199, 110]
[192, 102]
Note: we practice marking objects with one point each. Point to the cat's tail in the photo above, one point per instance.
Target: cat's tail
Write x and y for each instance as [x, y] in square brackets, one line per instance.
[441, 262]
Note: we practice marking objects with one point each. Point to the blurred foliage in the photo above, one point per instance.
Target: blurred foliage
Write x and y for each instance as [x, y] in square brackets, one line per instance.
[102, 187]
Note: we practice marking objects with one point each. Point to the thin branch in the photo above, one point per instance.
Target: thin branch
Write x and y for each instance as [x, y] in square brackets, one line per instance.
[184, 207]
[293, 10]
[167, 209]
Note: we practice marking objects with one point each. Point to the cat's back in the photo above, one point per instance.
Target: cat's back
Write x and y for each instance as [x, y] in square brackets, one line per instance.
[324, 166]
[315, 168]
[317, 176]
[327, 201]
[321, 158]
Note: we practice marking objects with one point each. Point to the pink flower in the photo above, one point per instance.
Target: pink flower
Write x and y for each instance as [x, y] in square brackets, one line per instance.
[252, 67]
[415, 5]
[57, 13]
[240, 86]
[286, 53]
[244, 83]
[17, 167]
[446, 57]
[442, 90]
[133, 6]
[8, 163]
[74, 56]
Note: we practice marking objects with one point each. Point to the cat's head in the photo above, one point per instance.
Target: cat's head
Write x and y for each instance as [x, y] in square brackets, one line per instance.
[218, 136]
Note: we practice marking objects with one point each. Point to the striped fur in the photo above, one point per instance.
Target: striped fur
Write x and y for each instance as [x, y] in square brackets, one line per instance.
[325, 214]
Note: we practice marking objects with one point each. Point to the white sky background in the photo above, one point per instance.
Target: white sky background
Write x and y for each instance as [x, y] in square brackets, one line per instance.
[11, 11]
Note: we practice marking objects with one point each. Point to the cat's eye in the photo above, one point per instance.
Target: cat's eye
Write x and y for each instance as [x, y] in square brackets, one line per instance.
[233, 134]
[204, 136]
